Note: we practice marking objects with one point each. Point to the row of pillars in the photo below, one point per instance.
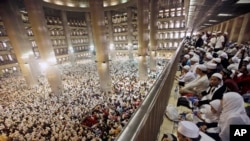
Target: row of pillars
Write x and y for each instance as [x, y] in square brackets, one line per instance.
[237, 28]
[28, 64]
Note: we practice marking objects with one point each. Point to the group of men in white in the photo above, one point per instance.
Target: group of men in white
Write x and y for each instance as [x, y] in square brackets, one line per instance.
[214, 79]
[38, 114]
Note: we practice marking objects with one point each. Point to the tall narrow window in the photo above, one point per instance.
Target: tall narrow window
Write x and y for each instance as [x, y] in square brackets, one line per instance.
[176, 36]
[171, 24]
[10, 57]
[177, 24]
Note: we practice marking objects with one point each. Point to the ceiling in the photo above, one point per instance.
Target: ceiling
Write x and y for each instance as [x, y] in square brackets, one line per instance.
[200, 14]
[205, 13]
[84, 3]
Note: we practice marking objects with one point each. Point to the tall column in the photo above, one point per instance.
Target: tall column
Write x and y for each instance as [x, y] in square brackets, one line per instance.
[153, 33]
[111, 36]
[91, 42]
[41, 35]
[226, 26]
[244, 31]
[130, 34]
[97, 19]
[68, 39]
[142, 17]
[223, 27]
[220, 27]
[236, 28]
[19, 39]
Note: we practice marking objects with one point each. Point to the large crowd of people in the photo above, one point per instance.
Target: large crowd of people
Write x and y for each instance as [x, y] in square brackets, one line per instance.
[214, 70]
[83, 112]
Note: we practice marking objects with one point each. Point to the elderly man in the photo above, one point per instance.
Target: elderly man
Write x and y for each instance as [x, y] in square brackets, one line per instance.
[199, 84]
[186, 76]
[188, 131]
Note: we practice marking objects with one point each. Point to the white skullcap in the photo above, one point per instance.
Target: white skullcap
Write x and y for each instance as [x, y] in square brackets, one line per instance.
[224, 55]
[186, 67]
[216, 104]
[218, 32]
[226, 33]
[217, 60]
[202, 67]
[194, 59]
[248, 68]
[209, 56]
[232, 67]
[202, 49]
[218, 75]
[246, 59]
[235, 59]
[213, 33]
[211, 65]
[187, 56]
[188, 129]
[219, 52]
[191, 53]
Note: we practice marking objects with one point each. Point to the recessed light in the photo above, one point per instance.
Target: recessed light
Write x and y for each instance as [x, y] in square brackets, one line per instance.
[213, 21]
[243, 2]
[207, 24]
[224, 15]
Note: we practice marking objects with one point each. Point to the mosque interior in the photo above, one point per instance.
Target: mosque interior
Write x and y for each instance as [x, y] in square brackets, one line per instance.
[39, 37]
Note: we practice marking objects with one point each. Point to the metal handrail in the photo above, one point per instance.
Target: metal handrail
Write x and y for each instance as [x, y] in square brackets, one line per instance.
[146, 121]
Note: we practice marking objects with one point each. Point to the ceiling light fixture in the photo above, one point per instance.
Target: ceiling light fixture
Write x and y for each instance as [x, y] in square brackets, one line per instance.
[207, 24]
[224, 15]
[213, 21]
[243, 2]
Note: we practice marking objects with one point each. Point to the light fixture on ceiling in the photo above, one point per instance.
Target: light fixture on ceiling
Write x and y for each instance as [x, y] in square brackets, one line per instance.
[58, 2]
[213, 21]
[207, 24]
[224, 15]
[242, 2]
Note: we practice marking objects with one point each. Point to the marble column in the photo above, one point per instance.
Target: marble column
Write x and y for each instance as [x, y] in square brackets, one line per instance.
[91, 42]
[142, 17]
[244, 31]
[130, 34]
[41, 35]
[226, 26]
[236, 28]
[66, 28]
[97, 20]
[111, 36]
[153, 33]
[19, 39]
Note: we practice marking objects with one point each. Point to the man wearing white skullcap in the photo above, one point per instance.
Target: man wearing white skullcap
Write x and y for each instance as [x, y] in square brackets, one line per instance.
[218, 62]
[188, 131]
[234, 65]
[186, 76]
[199, 84]
[211, 68]
[219, 42]
[224, 59]
[185, 60]
[194, 61]
[215, 90]
[208, 57]
[212, 41]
